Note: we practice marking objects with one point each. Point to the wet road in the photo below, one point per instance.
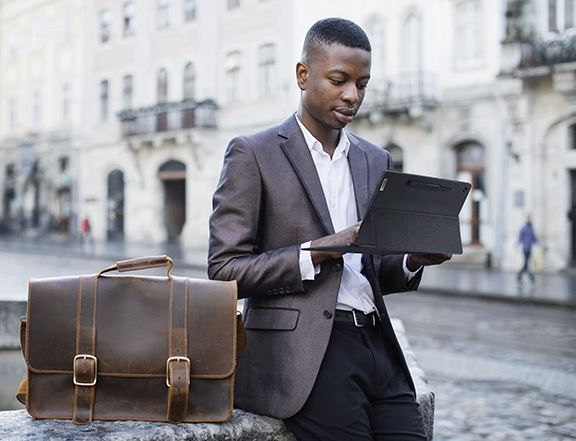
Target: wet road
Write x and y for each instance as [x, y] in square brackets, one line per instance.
[500, 371]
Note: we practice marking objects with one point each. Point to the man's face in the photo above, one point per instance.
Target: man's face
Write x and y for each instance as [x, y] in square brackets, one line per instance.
[333, 85]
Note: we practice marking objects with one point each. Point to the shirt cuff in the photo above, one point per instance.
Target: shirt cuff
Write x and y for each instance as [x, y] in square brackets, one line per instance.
[409, 274]
[307, 269]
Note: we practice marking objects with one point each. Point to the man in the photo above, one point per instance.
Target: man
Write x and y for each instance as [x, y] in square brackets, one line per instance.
[527, 238]
[321, 351]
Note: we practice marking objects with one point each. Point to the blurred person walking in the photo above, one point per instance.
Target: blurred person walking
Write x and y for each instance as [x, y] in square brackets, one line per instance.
[527, 238]
[86, 232]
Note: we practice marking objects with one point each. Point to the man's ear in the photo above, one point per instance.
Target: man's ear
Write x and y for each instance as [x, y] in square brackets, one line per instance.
[302, 72]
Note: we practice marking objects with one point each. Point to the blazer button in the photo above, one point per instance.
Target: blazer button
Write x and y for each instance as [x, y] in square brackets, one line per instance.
[281, 290]
[327, 314]
[338, 266]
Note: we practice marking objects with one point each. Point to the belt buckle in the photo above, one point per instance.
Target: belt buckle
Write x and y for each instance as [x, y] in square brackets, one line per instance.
[358, 325]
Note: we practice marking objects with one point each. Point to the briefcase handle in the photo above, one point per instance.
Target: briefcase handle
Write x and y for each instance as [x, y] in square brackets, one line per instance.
[140, 263]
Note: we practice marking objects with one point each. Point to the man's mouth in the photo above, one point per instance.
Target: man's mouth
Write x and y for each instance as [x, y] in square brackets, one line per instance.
[344, 114]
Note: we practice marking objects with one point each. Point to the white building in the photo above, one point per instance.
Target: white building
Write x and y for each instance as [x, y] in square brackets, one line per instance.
[158, 87]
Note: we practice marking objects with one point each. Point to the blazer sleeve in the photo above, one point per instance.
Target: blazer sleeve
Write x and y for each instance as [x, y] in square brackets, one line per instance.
[234, 252]
[391, 276]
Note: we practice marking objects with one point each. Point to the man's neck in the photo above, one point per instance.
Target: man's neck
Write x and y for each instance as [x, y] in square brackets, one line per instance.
[329, 138]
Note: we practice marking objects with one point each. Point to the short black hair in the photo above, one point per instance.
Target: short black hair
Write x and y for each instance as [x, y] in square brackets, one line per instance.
[334, 30]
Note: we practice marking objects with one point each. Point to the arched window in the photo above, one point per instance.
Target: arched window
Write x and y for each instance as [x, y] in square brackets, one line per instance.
[162, 86]
[468, 32]
[189, 82]
[411, 60]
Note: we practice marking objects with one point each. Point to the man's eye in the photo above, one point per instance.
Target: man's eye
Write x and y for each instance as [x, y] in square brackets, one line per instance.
[336, 81]
[362, 86]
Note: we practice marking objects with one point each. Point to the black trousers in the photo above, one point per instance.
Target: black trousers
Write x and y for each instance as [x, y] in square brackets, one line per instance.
[361, 392]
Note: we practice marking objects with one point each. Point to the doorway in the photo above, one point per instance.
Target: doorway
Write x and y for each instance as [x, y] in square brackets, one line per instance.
[173, 177]
[572, 217]
[115, 214]
[470, 167]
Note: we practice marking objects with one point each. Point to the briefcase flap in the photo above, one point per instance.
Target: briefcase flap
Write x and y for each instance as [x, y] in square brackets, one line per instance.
[133, 325]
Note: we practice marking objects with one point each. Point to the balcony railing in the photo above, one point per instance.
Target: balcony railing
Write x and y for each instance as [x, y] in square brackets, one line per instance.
[168, 117]
[548, 52]
[408, 91]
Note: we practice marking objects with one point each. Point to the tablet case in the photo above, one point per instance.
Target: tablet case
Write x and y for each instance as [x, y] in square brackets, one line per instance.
[410, 214]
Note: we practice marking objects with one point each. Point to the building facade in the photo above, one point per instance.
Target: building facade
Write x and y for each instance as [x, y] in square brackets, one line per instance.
[120, 110]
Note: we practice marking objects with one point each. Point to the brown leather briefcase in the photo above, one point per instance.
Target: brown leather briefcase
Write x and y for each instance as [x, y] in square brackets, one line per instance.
[130, 347]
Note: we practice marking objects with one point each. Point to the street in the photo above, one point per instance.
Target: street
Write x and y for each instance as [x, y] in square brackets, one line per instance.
[500, 371]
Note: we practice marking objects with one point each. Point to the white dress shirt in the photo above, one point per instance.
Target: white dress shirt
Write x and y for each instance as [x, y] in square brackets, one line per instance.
[355, 291]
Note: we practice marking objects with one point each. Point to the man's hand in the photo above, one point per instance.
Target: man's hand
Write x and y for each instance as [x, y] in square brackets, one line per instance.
[343, 237]
[415, 261]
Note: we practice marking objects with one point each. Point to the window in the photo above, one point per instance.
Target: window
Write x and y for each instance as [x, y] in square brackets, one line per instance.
[63, 162]
[377, 31]
[162, 86]
[12, 112]
[232, 83]
[37, 108]
[189, 85]
[38, 34]
[67, 26]
[397, 156]
[572, 137]
[128, 24]
[232, 4]
[65, 101]
[127, 91]
[561, 15]
[266, 66]
[468, 33]
[12, 42]
[104, 94]
[189, 10]
[162, 14]
[105, 25]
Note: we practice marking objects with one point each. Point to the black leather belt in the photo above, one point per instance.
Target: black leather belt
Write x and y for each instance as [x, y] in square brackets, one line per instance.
[357, 318]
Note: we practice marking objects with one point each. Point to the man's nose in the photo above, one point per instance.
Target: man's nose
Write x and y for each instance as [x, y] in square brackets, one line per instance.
[350, 94]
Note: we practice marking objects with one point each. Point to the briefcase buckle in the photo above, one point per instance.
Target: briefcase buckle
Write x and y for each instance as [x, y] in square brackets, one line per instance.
[74, 369]
[173, 359]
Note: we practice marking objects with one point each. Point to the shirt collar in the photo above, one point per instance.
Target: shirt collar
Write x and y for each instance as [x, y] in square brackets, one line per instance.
[313, 144]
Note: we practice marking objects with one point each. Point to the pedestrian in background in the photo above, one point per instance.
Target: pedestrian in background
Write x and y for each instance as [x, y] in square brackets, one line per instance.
[527, 238]
[86, 231]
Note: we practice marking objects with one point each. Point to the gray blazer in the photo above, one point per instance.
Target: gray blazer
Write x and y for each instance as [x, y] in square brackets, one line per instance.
[269, 200]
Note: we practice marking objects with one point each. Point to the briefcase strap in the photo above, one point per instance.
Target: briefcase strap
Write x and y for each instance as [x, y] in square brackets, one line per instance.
[85, 364]
[178, 363]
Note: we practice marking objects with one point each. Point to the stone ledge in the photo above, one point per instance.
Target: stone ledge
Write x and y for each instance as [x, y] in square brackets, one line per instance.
[17, 425]
[243, 426]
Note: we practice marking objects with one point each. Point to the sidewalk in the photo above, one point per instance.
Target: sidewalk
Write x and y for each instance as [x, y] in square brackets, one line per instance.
[451, 279]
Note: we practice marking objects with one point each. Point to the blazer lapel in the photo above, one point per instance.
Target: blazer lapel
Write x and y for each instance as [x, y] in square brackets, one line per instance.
[295, 148]
[359, 171]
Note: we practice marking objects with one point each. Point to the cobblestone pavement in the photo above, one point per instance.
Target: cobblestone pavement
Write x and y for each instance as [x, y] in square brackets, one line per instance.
[499, 371]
